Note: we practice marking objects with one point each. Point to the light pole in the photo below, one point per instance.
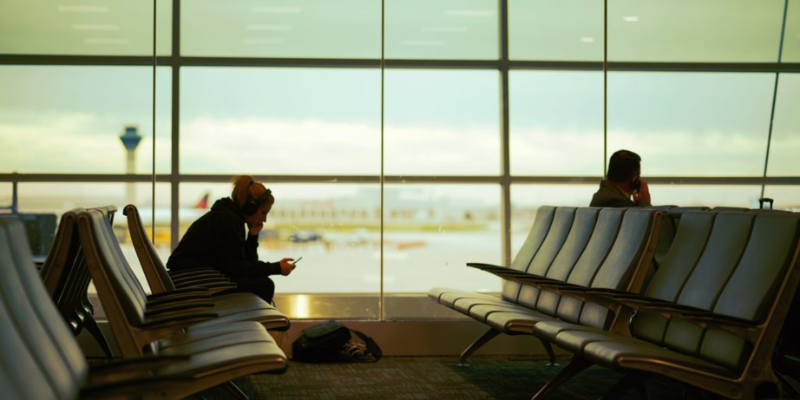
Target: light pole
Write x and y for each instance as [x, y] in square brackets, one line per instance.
[130, 139]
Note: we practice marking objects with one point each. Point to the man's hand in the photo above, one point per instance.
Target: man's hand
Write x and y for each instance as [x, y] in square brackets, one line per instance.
[642, 196]
[287, 266]
[255, 228]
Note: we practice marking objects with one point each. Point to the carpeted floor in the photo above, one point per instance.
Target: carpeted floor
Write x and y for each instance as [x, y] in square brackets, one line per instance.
[419, 378]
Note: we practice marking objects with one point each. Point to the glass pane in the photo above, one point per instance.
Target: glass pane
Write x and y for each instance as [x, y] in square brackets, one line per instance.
[694, 31]
[280, 28]
[57, 198]
[564, 30]
[6, 195]
[705, 195]
[791, 37]
[785, 197]
[442, 29]
[70, 119]
[442, 122]
[691, 124]
[280, 121]
[110, 27]
[432, 231]
[553, 111]
[784, 152]
[334, 227]
[527, 198]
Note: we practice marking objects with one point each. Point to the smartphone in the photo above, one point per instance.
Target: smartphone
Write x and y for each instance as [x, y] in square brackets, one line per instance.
[637, 184]
[297, 260]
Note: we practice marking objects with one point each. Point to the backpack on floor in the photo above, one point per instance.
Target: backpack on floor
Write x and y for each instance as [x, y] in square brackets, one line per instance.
[332, 341]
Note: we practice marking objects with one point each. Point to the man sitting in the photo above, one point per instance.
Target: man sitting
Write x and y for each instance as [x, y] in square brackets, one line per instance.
[623, 186]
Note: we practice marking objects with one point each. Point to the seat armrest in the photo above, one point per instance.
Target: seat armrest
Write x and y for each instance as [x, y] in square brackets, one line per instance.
[182, 307]
[136, 364]
[178, 320]
[211, 287]
[200, 280]
[167, 300]
[599, 297]
[744, 328]
[485, 267]
[178, 292]
[553, 285]
[190, 277]
[220, 288]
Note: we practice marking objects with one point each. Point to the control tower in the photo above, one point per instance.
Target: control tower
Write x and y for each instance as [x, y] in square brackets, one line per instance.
[130, 139]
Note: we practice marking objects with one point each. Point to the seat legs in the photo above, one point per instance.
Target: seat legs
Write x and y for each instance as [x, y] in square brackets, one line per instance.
[577, 365]
[478, 343]
[234, 390]
[550, 353]
[91, 325]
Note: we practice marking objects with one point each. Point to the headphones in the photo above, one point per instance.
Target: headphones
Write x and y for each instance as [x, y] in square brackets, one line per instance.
[252, 205]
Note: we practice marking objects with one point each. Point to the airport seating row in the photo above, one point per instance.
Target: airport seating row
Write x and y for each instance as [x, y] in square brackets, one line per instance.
[173, 344]
[711, 316]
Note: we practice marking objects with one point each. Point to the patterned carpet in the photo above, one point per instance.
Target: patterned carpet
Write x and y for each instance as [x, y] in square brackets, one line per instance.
[422, 378]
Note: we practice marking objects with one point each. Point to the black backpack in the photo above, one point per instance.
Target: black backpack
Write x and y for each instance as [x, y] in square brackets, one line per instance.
[332, 341]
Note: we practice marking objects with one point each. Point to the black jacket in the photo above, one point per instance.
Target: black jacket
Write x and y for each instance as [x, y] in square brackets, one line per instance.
[217, 240]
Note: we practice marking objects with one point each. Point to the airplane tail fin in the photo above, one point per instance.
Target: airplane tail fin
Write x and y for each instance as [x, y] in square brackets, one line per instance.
[203, 202]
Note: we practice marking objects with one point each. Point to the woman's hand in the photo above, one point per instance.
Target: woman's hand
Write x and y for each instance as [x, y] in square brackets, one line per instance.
[255, 227]
[287, 266]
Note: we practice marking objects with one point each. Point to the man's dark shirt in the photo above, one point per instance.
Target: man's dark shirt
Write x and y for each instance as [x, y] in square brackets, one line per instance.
[609, 195]
[217, 240]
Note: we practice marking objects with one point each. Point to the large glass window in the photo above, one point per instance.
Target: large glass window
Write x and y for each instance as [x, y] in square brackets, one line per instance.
[564, 30]
[694, 30]
[706, 195]
[389, 180]
[785, 197]
[442, 29]
[549, 109]
[280, 28]
[280, 121]
[784, 151]
[691, 124]
[70, 119]
[432, 231]
[442, 122]
[110, 27]
[791, 37]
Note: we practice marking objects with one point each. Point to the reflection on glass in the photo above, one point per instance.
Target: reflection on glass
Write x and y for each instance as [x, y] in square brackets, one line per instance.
[556, 123]
[57, 198]
[280, 121]
[280, 28]
[69, 119]
[110, 27]
[705, 195]
[442, 122]
[527, 198]
[334, 227]
[785, 197]
[432, 231]
[791, 37]
[694, 30]
[784, 151]
[564, 30]
[442, 29]
[691, 124]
